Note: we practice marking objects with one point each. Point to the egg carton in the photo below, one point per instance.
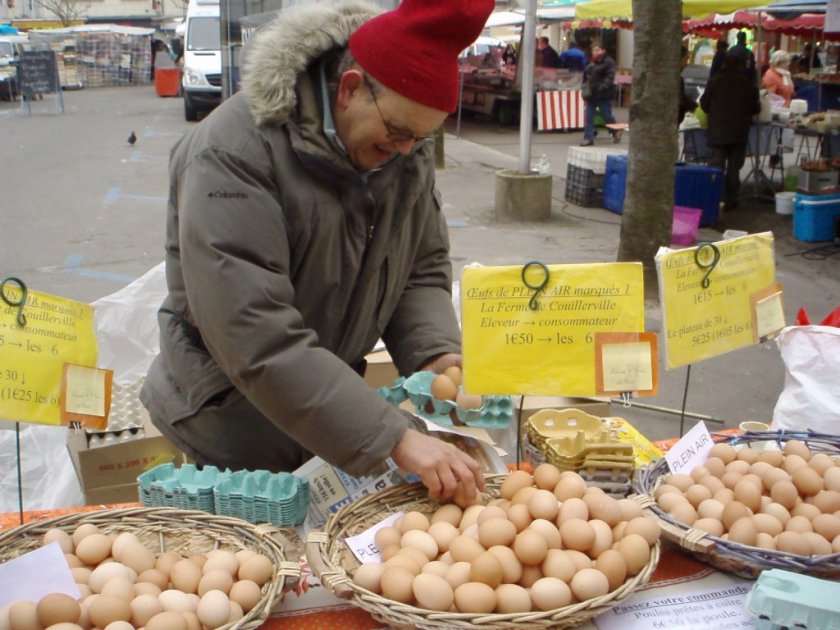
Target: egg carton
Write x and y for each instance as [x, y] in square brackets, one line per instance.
[566, 423]
[496, 412]
[616, 483]
[261, 496]
[783, 599]
[395, 392]
[256, 496]
[185, 487]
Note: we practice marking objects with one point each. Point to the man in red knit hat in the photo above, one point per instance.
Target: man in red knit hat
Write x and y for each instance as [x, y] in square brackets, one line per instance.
[303, 226]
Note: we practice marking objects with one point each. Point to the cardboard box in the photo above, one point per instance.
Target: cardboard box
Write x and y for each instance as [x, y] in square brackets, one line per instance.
[380, 371]
[108, 474]
[598, 407]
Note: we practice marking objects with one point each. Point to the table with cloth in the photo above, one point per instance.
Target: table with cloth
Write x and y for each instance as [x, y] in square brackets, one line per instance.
[310, 606]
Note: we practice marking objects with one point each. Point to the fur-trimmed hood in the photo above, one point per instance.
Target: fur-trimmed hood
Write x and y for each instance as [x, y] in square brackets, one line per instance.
[288, 44]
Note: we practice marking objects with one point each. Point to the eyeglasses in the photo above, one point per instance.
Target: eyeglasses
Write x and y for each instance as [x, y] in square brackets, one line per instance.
[393, 135]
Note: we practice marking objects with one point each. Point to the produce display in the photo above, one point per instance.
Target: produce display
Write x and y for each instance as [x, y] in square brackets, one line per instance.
[124, 586]
[547, 542]
[785, 500]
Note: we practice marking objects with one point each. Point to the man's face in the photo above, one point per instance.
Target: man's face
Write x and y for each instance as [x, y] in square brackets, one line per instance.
[376, 124]
[597, 50]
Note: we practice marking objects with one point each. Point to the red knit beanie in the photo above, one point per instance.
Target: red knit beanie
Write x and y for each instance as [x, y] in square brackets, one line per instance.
[414, 49]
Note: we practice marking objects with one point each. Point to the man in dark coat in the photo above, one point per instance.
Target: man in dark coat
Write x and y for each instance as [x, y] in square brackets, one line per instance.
[731, 100]
[720, 54]
[303, 224]
[547, 57]
[744, 56]
[598, 92]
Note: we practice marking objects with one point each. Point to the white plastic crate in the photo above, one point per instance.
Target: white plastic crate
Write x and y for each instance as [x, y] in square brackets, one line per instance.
[592, 158]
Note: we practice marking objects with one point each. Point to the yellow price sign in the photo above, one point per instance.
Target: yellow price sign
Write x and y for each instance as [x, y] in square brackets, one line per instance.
[39, 333]
[708, 296]
[531, 330]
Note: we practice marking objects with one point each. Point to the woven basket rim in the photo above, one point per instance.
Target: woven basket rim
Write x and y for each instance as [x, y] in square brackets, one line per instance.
[268, 539]
[736, 557]
[390, 611]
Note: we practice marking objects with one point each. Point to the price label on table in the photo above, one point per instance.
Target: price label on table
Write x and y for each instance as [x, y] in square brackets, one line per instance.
[715, 297]
[55, 331]
[531, 330]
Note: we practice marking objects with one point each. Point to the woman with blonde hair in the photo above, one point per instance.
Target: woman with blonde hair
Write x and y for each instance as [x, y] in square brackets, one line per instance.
[777, 78]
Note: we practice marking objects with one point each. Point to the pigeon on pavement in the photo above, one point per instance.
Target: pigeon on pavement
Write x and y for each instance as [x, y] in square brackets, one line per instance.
[132, 138]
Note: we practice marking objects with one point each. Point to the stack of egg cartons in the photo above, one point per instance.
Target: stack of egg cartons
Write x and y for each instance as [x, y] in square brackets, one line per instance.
[585, 170]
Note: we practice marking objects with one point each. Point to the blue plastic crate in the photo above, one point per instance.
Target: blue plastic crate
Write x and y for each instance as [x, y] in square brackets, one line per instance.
[815, 217]
[697, 186]
[615, 183]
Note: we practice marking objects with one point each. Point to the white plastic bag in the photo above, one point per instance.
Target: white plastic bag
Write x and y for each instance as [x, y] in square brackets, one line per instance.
[127, 327]
[47, 475]
[811, 396]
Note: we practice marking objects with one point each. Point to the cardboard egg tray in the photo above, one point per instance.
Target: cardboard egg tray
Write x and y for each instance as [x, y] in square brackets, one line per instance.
[614, 482]
[255, 496]
[496, 412]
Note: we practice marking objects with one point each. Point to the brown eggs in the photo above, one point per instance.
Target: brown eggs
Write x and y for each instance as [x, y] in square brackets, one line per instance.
[785, 500]
[530, 550]
[442, 388]
[119, 597]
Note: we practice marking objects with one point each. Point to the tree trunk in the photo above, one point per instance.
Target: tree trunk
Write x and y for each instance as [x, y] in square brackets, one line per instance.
[649, 201]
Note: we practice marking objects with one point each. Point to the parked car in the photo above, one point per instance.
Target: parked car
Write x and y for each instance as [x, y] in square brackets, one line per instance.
[11, 47]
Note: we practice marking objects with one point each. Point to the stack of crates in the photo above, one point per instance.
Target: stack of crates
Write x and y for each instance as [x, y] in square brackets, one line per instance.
[585, 174]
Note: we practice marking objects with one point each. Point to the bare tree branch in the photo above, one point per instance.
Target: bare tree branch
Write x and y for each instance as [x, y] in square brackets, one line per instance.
[65, 10]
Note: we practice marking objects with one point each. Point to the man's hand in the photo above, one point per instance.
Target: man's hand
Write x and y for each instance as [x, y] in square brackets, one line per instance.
[441, 362]
[442, 467]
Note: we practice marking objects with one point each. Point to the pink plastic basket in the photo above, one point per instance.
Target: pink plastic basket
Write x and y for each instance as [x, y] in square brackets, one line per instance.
[686, 224]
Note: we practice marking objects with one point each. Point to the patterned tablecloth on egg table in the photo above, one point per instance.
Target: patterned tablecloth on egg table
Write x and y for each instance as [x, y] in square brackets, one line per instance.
[312, 607]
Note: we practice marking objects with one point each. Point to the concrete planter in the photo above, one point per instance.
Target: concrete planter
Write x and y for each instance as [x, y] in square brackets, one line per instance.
[523, 196]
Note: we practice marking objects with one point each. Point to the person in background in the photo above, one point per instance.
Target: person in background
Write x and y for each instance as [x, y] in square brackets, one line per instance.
[744, 56]
[547, 57]
[720, 54]
[573, 58]
[687, 104]
[510, 56]
[809, 59]
[731, 100]
[304, 225]
[777, 78]
[598, 93]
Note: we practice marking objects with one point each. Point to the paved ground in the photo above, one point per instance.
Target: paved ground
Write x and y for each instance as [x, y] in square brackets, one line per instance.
[83, 214]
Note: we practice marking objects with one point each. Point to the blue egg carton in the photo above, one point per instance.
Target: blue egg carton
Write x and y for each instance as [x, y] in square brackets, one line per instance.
[496, 412]
[395, 392]
[257, 496]
[783, 599]
[186, 487]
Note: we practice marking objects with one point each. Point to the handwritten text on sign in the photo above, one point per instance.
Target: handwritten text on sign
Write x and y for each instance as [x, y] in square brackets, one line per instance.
[690, 451]
[32, 357]
[699, 322]
[511, 348]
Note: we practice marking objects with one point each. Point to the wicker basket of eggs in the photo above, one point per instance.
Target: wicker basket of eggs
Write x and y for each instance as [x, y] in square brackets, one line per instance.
[536, 551]
[766, 500]
[153, 568]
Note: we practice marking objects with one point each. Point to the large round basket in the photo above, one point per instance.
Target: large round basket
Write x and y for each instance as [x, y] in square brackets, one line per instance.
[170, 529]
[732, 557]
[332, 562]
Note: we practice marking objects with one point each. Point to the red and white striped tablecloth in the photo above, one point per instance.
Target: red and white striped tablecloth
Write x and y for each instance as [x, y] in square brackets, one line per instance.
[560, 109]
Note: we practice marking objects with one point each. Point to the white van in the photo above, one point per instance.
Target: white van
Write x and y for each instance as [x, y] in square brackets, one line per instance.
[11, 47]
[202, 78]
